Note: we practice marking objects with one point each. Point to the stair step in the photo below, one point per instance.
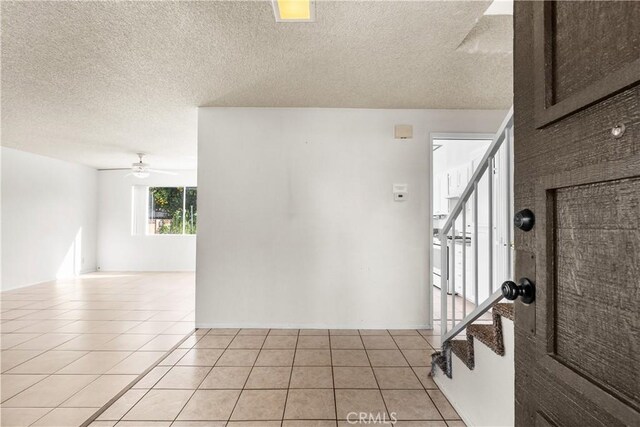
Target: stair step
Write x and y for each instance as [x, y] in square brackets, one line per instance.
[464, 350]
[504, 310]
[489, 335]
[439, 359]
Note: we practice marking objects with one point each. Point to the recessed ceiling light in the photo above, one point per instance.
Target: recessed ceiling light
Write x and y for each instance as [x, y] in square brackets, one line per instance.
[294, 10]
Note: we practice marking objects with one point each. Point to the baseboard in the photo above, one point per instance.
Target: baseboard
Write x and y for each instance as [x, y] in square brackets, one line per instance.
[252, 325]
[125, 270]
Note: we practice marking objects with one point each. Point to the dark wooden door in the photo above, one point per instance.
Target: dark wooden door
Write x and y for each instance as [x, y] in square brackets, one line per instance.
[577, 167]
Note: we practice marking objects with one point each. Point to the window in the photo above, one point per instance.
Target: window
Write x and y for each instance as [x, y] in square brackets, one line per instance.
[172, 210]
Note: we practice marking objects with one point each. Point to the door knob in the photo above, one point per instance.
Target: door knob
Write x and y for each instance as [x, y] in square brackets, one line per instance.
[523, 289]
[524, 220]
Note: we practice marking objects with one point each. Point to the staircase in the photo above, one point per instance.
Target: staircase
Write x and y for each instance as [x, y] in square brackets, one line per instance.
[489, 335]
[476, 371]
[479, 341]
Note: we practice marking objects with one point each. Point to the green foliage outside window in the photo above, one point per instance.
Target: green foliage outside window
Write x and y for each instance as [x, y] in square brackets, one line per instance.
[191, 210]
[172, 210]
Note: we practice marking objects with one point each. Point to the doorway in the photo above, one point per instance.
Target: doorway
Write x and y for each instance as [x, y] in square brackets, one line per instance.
[455, 157]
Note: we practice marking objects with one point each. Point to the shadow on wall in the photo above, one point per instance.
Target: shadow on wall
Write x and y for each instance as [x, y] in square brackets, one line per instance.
[71, 265]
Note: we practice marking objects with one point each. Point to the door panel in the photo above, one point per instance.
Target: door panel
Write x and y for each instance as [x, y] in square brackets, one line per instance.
[579, 365]
[591, 40]
[597, 326]
[584, 51]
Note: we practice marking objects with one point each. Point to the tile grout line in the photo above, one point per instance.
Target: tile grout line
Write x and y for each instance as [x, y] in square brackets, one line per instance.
[132, 383]
[293, 361]
[203, 378]
[250, 371]
[37, 382]
[423, 387]
[169, 368]
[375, 377]
[47, 375]
[333, 376]
[43, 415]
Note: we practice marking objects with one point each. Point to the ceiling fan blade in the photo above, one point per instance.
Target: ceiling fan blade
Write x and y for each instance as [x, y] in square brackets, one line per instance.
[162, 172]
[115, 169]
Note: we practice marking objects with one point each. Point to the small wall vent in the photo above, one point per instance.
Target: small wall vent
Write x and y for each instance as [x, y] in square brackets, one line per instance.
[403, 131]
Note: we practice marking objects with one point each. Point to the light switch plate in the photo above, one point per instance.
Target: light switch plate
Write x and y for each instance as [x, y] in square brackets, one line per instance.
[399, 197]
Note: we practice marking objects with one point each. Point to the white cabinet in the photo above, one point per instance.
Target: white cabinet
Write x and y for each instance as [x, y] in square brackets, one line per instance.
[444, 191]
[449, 185]
[468, 270]
[437, 195]
[440, 195]
[458, 179]
[454, 182]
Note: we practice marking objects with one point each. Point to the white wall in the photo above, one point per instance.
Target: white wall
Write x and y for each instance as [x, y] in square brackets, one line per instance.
[297, 223]
[49, 214]
[485, 396]
[118, 248]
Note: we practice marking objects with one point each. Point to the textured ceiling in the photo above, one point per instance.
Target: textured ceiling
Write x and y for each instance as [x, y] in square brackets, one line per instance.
[94, 82]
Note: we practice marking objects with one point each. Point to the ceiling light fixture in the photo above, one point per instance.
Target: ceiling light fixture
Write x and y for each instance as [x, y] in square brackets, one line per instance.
[294, 10]
[140, 169]
[139, 172]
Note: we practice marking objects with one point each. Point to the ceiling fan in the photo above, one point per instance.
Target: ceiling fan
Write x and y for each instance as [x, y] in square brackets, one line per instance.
[140, 169]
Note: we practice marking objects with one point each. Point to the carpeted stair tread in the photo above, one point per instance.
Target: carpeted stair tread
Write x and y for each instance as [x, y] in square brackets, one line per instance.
[464, 350]
[484, 333]
[442, 359]
[489, 335]
[504, 310]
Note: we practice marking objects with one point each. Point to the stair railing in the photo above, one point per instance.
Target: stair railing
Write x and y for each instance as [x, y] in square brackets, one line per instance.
[496, 167]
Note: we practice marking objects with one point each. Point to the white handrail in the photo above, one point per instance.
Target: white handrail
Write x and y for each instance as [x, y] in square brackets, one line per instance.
[474, 315]
[448, 269]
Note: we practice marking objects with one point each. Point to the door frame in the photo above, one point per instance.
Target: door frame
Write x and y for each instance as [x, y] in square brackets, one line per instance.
[446, 136]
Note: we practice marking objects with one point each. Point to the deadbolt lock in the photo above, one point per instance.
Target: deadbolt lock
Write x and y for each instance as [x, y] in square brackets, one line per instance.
[524, 220]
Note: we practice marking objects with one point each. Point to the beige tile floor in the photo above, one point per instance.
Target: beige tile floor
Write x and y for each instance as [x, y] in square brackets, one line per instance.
[262, 377]
[70, 346]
